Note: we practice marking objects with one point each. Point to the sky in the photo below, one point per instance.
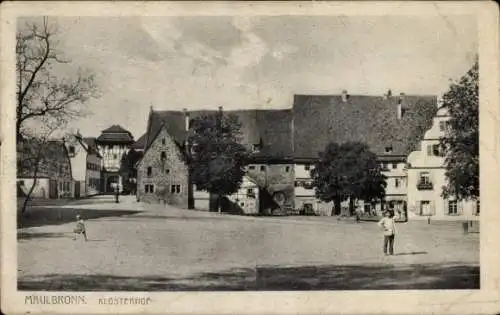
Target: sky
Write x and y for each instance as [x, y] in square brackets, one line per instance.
[240, 62]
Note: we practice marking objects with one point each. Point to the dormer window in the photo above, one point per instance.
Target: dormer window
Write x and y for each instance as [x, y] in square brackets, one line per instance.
[444, 125]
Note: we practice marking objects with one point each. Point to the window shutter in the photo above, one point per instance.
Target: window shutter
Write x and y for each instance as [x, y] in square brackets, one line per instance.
[429, 149]
[446, 204]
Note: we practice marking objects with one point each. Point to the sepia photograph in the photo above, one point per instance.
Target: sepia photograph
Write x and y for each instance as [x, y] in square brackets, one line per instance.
[230, 153]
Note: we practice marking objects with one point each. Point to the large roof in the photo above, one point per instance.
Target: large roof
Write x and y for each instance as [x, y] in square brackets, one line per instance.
[320, 119]
[270, 128]
[48, 154]
[303, 131]
[115, 134]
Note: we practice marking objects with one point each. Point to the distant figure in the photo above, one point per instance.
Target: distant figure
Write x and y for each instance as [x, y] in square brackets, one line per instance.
[388, 225]
[80, 228]
[358, 215]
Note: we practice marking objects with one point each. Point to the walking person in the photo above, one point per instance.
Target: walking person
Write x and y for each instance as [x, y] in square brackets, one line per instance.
[388, 224]
[80, 228]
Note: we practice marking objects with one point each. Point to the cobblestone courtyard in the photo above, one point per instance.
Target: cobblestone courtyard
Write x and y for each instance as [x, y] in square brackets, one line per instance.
[133, 246]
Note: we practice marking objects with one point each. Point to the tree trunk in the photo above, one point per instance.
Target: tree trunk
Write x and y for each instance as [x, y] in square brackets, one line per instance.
[351, 206]
[336, 207]
[28, 197]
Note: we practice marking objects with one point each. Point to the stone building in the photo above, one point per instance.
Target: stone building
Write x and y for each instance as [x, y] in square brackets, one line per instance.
[264, 132]
[285, 143]
[162, 174]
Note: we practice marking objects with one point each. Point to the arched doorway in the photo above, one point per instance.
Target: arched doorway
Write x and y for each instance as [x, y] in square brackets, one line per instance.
[111, 184]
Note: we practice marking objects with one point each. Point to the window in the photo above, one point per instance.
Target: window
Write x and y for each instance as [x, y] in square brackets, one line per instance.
[307, 167]
[444, 125]
[477, 207]
[388, 149]
[250, 192]
[296, 183]
[175, 189]
[149, 188]
[149, 170]
[256, 147]
[71, 150]
[287, 169]
[21, 182]
[425, 178]
[262, 168]
[434, 150]
[163, 141]
[167, 171]
[163, 156]
[115, 156]
[397, 182]
[452, 207]
[394, 165]
[251, 167]
[384, 166]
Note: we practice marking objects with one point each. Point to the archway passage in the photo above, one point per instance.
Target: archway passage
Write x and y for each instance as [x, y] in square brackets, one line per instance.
[111, 184]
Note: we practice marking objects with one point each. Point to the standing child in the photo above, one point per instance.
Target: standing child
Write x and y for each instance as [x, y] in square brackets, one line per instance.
[389, 227]
[80, 228]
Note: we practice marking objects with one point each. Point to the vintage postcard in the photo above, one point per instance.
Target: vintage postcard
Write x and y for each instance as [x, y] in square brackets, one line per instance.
[249, 157]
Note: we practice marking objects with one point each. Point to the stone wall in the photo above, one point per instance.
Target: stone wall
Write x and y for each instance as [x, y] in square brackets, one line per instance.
[168, 176]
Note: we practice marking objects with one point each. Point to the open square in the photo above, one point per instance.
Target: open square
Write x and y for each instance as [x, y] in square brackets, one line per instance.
[139, 247]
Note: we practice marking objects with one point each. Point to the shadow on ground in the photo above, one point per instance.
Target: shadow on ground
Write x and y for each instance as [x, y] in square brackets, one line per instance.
[330, 277]
[29, 236]
[55, 216]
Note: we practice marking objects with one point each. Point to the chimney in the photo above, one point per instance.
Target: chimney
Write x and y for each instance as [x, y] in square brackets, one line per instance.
[345, 96]
[186, 119]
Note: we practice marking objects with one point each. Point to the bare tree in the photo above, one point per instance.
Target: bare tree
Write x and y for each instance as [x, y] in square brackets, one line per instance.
[50, 92]
[42, 92]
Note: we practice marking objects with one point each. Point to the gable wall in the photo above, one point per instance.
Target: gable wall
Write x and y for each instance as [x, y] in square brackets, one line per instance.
[160, 178]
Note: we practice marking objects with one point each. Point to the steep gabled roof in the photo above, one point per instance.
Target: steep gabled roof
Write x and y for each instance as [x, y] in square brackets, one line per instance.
[90, 145]
[320, 119]
[116, 134]
[48, 155]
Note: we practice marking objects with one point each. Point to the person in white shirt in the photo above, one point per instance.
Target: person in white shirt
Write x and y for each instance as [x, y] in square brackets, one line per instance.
[387, 223]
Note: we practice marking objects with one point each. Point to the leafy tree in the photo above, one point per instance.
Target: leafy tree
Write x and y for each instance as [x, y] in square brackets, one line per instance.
[349, 171]
[217, 157]
[128, 170]
[461, 141]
